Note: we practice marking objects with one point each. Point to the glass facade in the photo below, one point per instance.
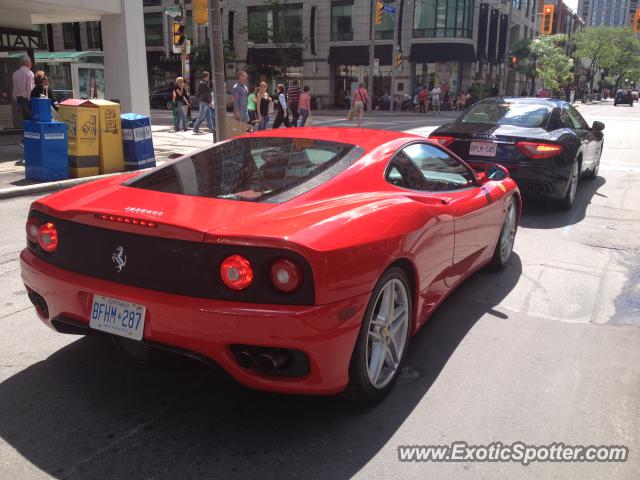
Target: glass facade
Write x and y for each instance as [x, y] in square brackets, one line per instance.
[153, 29]
[69, 36]
[94, 35]
[341, 26]
[275, 25]
[443, 18]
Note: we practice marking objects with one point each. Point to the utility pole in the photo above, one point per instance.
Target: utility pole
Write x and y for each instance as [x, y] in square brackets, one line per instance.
[372, 47]
[505, 65]
[397, 29]
[217, 70]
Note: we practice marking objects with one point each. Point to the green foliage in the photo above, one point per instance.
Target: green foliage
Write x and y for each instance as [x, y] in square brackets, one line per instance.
[613, 49]
[201, 60]
[543, 58]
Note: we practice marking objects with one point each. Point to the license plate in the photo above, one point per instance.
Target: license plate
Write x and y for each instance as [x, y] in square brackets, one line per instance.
[483, 149]
[117, 317]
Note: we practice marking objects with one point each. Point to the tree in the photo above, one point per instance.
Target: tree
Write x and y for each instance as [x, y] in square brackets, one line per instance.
[597, 48]
[201, 59]
[543, 58]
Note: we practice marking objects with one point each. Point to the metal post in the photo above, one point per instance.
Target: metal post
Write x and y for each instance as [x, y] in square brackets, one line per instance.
[372, 47]
[397, 28]
[217, 70]
[507, 51]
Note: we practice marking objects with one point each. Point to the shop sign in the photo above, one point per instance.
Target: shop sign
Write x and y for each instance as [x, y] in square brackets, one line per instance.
[12, 39]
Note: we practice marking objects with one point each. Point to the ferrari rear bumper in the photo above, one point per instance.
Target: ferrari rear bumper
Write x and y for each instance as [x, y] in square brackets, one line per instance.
[213, 329]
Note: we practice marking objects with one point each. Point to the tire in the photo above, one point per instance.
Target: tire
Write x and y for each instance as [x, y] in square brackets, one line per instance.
[615, 104]
[504, 245]
[376, 344]
[567, 202]
[593, 173]
[169, 105]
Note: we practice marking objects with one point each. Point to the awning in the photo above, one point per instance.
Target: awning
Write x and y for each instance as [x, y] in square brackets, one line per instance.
[359, 54]
[62, 56]
[291, 56]
[442, 52]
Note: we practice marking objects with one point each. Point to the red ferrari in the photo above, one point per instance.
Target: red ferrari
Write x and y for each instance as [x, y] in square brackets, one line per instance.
[299, 260]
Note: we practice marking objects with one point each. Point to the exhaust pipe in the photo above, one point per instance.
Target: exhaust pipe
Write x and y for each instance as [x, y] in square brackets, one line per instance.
[245, 359]
[270, 361]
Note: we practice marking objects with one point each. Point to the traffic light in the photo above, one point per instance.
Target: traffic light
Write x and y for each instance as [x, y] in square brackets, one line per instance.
[379, 11]
[547, 19]
[636, 21]
[178, 32]
[398, 59]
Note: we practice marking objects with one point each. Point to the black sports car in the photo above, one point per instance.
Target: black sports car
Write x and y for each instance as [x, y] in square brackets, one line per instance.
[545, 143]
[622, 96]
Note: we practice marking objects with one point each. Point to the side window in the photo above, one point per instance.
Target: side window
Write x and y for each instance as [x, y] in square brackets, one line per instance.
[577, 119]
[426, 167]
[566, 119]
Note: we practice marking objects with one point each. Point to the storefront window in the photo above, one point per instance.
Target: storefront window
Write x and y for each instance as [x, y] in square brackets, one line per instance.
[91, 82]
[384, 31]
[341, 27]
[59, 79]
[441, 74]
[94, 35]
[282, 24]
[69, 36]
[153, 29]
[443, 18]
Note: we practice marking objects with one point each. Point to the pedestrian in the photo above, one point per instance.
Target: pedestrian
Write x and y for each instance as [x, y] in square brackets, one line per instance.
[41, 89]
[462, 99]
[204, 100]
[241, 98]
[422, 97]
[266, 103]
[572, 95]
[305, 105]
[23, 84]
[359, 99]
[180, 98]
[282, 115]
[252, 106]
[436, 91]
[293, 101]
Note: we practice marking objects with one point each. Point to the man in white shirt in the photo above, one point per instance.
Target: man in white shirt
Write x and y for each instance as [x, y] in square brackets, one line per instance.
[435, 99]
[22, 86]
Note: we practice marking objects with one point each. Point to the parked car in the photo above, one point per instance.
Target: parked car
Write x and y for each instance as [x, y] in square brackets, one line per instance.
[634, 95]
[299, 260]
[161, 98]
[545, 143]
[623, 96]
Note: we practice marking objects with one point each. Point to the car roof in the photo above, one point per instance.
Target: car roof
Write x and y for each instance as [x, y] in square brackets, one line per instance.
[552, 102]
[366, 138]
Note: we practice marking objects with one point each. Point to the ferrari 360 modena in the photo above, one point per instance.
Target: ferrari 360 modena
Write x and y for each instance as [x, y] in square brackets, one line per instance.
[299, 260]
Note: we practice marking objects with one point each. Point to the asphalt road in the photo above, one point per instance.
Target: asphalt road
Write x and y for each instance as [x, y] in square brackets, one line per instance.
[546, 351]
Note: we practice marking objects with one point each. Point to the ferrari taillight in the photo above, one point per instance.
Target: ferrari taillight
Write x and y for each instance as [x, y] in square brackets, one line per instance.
[236, 272]
[286, 275]
[48, 237]
[33, 223]
[443, 140]
[126, 220]
[539, 150]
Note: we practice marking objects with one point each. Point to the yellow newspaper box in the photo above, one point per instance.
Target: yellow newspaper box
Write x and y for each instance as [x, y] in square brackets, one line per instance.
[82, 131]
[110, 133]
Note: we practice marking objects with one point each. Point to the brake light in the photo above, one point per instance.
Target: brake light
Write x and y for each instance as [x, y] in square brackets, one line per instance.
[126, 220]
[33, 224]
[286, 275]
[443, 140]
[539, 150]
[48, 237]
[236, 272]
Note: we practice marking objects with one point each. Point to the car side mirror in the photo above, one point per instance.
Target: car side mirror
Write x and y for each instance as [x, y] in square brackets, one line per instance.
[598, 126]
[496, 172]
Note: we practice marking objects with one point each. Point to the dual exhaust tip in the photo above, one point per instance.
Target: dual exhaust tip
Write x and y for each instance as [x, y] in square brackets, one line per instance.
[267, 360]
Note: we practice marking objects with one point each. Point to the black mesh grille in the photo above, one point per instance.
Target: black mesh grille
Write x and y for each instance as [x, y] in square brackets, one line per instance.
[173, 266]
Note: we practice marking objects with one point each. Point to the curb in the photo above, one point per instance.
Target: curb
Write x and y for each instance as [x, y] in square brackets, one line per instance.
[13, 192]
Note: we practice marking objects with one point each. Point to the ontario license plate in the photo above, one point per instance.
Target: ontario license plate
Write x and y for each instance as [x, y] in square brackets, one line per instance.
[483, 149]
[117, 317]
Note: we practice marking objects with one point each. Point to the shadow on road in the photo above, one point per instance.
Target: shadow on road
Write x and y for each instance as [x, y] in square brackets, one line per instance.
[545, 214]
[86, 413]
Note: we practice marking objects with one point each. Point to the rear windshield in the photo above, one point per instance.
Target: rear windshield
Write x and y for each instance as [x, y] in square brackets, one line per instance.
[254, 169]
[508, 113]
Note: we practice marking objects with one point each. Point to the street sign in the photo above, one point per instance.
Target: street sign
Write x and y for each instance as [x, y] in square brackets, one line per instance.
[172, 10]
[390, 9]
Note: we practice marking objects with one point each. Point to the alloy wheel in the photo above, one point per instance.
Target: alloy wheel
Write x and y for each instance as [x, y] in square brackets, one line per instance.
[387, 335]
[508, 235]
